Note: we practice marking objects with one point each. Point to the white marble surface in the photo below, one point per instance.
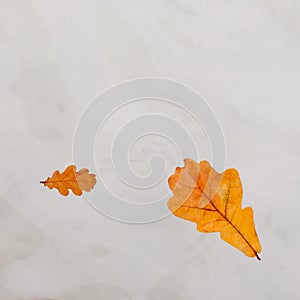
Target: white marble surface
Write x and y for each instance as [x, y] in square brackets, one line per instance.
[56, 56]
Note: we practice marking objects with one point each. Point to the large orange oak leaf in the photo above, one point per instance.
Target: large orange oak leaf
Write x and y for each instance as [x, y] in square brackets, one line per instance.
[214, 202]
[70, 179]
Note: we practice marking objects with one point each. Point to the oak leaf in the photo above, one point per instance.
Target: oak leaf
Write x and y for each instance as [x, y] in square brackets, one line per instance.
[70, 179]
[214, 202]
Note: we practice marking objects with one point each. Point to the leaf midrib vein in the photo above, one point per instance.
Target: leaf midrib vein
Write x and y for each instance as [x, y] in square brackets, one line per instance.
[235, 228]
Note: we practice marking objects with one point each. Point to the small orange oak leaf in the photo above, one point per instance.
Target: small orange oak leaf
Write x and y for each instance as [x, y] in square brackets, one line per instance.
[70, 179]
[214, 202]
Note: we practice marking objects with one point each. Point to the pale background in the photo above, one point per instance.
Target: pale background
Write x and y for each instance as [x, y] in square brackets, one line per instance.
[56, 56]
